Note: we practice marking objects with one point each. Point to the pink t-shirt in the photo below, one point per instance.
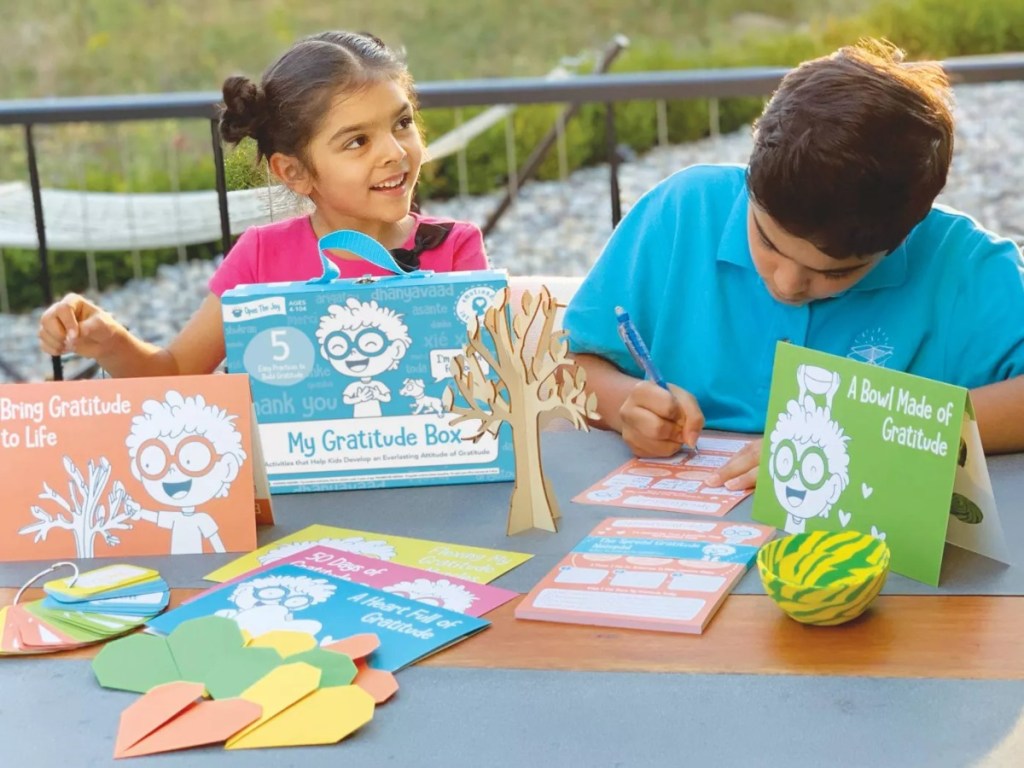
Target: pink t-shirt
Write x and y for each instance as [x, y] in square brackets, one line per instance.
[287, 251]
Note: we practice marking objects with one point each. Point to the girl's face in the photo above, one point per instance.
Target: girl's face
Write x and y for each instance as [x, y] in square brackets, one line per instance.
[793, 270]
[365, 159]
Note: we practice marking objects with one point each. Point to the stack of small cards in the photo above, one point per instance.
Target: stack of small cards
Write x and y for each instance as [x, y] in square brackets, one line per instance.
[89, 608]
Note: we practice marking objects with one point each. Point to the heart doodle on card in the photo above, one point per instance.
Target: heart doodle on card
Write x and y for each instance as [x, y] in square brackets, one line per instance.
[844, 518]
[880, 535]
[866, 489]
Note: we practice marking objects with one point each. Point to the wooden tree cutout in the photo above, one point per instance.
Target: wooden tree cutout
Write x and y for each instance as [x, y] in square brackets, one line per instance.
[526, 393]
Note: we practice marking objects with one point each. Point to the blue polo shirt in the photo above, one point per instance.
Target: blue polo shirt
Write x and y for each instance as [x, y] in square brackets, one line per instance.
[947, 304]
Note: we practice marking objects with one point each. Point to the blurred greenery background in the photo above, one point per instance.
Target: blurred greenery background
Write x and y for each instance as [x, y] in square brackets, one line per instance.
[94, 47]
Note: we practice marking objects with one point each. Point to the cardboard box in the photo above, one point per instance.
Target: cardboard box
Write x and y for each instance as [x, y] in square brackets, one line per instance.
[347, 375]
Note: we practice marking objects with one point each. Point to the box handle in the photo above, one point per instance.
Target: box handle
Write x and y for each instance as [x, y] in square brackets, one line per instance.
[363, 246]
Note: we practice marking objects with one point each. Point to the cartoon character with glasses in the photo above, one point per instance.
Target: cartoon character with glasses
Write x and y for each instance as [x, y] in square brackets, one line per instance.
[810, 465]
[184, 452]
[268, 603]
[362, 341]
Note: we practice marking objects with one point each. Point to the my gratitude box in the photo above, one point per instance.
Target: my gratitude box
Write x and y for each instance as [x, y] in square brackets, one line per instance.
[348, 374]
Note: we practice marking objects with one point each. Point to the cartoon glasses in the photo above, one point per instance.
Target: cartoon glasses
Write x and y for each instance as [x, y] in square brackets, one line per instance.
[812, 464]
[193, 456]
[282, 596]
[369, 342]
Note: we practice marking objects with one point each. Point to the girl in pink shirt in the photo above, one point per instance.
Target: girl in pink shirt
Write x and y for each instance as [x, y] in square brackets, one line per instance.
[335, 119]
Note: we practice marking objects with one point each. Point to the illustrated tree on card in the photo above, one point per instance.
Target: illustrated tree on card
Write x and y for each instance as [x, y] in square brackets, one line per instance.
[529, 386]
[83, 512]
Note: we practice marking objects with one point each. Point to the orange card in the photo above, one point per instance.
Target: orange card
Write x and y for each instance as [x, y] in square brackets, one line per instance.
[122, 467]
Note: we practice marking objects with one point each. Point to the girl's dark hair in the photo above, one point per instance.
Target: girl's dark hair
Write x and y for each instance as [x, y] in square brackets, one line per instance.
[284, 111]
[853, 149]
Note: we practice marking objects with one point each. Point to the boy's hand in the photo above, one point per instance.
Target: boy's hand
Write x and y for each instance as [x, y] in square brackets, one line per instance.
[657, 422]
[75, 324]
[740, 472]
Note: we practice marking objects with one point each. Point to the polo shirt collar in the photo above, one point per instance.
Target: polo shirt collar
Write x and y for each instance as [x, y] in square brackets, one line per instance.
[734, 248]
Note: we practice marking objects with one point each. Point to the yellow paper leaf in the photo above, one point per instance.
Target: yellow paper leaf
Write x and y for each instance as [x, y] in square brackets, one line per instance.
[276, 691]
[285, 642]
[325, 716]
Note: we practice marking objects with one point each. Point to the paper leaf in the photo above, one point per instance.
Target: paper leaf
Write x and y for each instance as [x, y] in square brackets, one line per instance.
[325, 716]
[196, 643]
[335, 668]
[379, 683]
[185, 723]
[135, 663]
[285, 642]
[277, 691]
[233, 672]
[356, 647]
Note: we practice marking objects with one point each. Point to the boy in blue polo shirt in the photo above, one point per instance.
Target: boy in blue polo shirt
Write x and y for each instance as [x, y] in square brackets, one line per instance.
[829, 239]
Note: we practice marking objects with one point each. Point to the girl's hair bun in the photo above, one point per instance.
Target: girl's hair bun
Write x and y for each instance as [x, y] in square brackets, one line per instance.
[244, 112]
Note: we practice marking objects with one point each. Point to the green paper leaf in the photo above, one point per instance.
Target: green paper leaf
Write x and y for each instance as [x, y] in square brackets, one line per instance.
[336, 668]
[231, 673]
[196, 643]
[135, 663]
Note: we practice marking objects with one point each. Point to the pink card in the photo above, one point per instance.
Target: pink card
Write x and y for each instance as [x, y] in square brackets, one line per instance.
[675, 484]
[428, 587]
[665, 575]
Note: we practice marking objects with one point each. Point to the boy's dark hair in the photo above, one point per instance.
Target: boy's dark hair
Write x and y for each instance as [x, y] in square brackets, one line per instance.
[853, 149]
[284, 111]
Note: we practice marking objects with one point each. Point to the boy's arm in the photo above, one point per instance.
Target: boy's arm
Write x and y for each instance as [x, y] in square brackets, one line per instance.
[999, 409]
[652, 421]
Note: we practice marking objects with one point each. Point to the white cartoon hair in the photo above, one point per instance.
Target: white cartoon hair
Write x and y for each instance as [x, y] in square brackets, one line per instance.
[814, 426]
[454, 597]
[355, 315]
[318, 590]
[178, 416]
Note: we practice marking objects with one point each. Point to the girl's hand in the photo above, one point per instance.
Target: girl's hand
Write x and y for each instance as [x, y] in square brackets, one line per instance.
[75, 324]
[740, 472]
[657, 422]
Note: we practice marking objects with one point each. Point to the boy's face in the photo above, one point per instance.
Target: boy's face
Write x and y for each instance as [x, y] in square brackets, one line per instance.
[793, 270]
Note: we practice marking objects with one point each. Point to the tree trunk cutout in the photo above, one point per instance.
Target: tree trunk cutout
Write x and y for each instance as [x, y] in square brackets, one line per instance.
[525, 393]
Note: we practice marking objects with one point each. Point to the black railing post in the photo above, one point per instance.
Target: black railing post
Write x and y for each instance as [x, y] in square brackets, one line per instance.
[37, 206]
[611, 140]
[222, 185]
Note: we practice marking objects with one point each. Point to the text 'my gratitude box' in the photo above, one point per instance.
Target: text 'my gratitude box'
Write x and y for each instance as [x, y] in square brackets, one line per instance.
[348, 374]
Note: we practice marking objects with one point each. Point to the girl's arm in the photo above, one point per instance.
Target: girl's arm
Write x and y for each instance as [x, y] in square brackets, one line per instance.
[999, 408]
[76, 324]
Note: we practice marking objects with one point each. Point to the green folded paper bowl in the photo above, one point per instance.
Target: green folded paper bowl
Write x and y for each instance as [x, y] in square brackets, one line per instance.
[824, 577]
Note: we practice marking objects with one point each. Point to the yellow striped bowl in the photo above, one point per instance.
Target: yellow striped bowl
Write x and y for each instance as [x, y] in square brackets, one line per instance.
[824, 577]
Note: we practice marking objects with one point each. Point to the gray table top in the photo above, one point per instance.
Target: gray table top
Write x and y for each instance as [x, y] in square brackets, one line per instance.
[52, 713]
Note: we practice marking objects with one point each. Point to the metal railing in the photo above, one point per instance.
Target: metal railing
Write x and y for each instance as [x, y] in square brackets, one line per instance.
[607, 89]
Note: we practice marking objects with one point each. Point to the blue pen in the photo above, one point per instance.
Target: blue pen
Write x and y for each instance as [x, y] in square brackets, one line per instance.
[635, 344]
[638, 349]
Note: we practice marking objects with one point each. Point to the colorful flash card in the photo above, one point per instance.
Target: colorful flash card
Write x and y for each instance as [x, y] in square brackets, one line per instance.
[676, 484]
[853, 445]
[470, 563]
[291, 598]
[427, 587]
[122, 467]
[667, 575]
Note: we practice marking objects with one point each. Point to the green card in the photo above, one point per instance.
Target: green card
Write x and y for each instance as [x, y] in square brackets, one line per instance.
[854, 445]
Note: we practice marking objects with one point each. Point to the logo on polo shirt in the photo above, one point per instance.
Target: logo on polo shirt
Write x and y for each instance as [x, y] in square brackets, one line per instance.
[871, 346]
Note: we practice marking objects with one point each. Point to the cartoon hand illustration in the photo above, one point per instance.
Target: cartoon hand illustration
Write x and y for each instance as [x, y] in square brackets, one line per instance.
[366, 393]
[131, 506]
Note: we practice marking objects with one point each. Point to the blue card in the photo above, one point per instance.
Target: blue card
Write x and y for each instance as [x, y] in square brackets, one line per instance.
[329, 608]
[679, 550]
[139, 588]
